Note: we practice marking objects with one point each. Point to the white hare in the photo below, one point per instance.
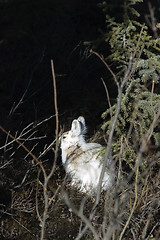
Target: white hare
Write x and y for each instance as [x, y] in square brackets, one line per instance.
[83, 161]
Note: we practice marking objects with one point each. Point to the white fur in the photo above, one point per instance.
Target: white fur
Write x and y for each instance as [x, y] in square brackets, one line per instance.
[83, 161]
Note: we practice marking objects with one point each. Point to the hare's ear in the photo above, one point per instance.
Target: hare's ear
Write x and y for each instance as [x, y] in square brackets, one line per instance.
[83, 124]
[76, 128]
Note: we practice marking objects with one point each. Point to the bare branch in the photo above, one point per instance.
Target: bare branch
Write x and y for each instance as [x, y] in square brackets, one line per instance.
[47, 201]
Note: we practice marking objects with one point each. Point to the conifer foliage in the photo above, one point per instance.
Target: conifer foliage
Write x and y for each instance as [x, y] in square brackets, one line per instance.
[127, 36]
[136, 138]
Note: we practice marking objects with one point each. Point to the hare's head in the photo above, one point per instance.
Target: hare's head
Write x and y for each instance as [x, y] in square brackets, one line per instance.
[75, 136]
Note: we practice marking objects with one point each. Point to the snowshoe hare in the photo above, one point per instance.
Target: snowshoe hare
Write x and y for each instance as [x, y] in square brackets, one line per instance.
[83, 161]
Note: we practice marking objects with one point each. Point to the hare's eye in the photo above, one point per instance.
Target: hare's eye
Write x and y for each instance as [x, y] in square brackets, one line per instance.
[64, 137]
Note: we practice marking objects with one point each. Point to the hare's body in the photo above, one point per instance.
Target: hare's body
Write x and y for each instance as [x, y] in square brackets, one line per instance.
[83, 161]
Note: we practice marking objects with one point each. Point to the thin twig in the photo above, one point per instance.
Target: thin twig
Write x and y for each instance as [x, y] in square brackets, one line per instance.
[47, 178]
[152, 91]
[55, 97]
[108, 98]
[37, 210]
[107, 66]
[23, 226]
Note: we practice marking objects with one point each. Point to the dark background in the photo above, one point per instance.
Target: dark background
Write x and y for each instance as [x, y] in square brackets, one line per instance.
[34, 32]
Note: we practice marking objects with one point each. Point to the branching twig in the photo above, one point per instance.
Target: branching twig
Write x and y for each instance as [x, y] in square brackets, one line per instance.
[25, 148]
[25, 132]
